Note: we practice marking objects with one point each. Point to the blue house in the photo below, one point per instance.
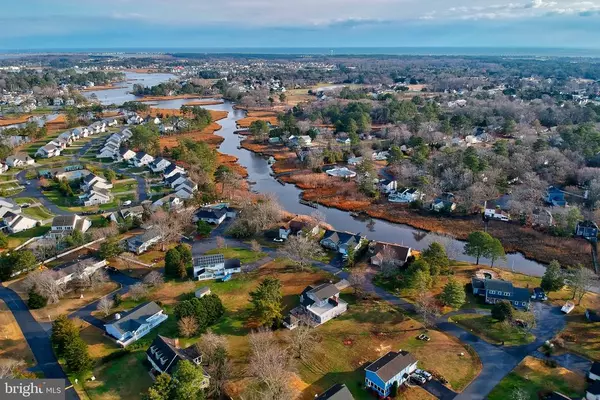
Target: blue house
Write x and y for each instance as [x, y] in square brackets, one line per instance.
[587, 229]
[555, 197]
[393, 367]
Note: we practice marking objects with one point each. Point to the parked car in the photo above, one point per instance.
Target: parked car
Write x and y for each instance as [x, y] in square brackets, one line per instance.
[418, 379]
[127, 202]
[424, 374]
[568, 307]
[424, 337]
[278, 240]
[24, 205]
[539, 294]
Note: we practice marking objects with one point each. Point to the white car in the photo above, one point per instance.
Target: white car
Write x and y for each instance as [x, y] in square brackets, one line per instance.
[278, 240]
[127, 202]
[424, 374]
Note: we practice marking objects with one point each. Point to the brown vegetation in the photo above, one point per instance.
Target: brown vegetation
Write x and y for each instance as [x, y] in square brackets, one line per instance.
[17, 120]
[174, 97]
[102, 87]
[204, 103]
[269, 116]
[278, 152]
[12, 342]
[205, 135]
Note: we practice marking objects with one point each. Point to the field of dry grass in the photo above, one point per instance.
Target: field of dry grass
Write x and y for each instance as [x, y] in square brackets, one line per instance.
[10, 121]
[269, 116]
[12, 341]
[204, 103]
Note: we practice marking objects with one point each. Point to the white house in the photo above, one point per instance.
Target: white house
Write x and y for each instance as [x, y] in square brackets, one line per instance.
[184, 193]
[175, 180]
[171, 201]
[3, 168]
[93, 181]
[173, 169]
[129, 326]
[65, 224]
[188, 184]
[215, 267]
[342, 172]
[141, 159]
[65, 273]
[8, 205]
[15, 223]
[211, 215]
[493, 209]
[159, 164]
[322, 303]
[135, 120]
[124, 155]
[406, 195]
[142, 242]
[95, 197]
[388, 185]
[19, 160]
[48, 151]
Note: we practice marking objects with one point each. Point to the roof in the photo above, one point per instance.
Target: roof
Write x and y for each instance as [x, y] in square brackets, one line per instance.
[323, 291]
[142, 238]
[400, 252]
[391, 364]
[172, 167]
[69, 267]
[594, 388]
[209, 260]
[212, 213]
[202, 290]
[166, 353]
[595, 369]
[339, 391]
[498, 285]
[136, 317]
[64, 220]
[341, 237]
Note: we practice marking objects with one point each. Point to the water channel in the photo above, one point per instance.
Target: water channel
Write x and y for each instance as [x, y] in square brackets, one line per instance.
[259, 171]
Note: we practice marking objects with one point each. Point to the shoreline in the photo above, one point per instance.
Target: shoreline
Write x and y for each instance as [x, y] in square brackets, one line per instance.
[173, 97]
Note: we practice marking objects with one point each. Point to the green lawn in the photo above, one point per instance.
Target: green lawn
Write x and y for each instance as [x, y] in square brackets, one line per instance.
[493, 330]
[124, 187]
[244, 255]
[40, 212]
[533, 376]
[7, 177]
[17, 239]
[23, 200]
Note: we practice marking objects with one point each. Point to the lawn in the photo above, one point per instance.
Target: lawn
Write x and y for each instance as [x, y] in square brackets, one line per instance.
[533, 376]
[582, 337]
[23, 200]
[40, 213]
[128, 186]
[244, 255]
[12, 342]
[493, 330]
[17, 239]
[7, 177]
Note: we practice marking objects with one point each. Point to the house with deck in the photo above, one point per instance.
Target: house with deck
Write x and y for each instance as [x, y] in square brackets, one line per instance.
[165, 353]
[86, 266]
[15, 223]
[19, 160]
[214, 266]
[321, 303]
[496, 290]
[129, 326]
[142, 242]
[394, 367]
[213, 216]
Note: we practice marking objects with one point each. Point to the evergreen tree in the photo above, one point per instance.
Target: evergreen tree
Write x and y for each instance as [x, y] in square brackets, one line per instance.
[478, 244]
[76, 355]
[266, 301]
[36, 300]
[161, 388]
[435, 255]
[495, 250]
[502, 311]
[187, 380]
[553, 279]
[453, 294]
[64, 331]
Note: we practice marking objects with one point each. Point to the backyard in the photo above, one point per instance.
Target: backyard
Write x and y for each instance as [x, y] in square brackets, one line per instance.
[244, 255]
[492, 330]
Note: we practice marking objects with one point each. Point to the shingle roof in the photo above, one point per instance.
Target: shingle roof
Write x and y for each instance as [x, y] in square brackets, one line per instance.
[324, 291]
[341, 237]
[166, 353]
[338, 391]
[212, 213]
[400, 252]
[142, 238]
[209, 260]
[391, 364]
[64, 220]
[133, 319]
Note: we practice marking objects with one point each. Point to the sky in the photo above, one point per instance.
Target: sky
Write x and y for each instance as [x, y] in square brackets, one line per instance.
[169, 24]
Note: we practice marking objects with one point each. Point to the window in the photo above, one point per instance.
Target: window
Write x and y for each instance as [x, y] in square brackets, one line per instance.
[516, 303]
[492, 292]
[506, 293]
[524, 303]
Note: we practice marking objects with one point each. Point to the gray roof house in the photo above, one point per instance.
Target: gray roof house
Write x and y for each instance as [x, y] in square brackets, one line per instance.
[164, 354]
[214, 266]
[140, 243]
[321, 303]
[341, 241]
[395, 366]
[495, 290]
[339, 391]
[128, 327]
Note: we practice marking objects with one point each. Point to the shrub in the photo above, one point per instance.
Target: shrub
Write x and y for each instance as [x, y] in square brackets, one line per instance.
[36, 300]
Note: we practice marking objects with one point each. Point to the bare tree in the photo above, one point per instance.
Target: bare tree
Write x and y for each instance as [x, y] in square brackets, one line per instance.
[357, 280]
[98, 279]
[167, 224]
[427, 309]
[9, 368]
[256, 216]
[106, 232]
[301, 250]
[519, 393]
[318, 218]
[188, 326]
[302, 340]
[270, 365]
[255, 246]
[138, 291]
[209, 343]
[389, 262]
[220, 241]
[45, 285]
[105, 306]
[154, 279]
[580, 281]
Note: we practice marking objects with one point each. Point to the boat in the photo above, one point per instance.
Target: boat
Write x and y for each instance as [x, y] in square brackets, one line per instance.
[568, 307]
[309, 203]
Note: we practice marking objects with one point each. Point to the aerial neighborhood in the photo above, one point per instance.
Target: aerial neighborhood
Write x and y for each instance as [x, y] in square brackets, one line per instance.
[236, 226]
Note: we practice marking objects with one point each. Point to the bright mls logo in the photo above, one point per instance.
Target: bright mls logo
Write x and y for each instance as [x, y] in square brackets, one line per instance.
[51, 389]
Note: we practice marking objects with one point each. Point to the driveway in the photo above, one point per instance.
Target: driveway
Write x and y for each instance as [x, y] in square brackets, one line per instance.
[37, 338]
[34, 191]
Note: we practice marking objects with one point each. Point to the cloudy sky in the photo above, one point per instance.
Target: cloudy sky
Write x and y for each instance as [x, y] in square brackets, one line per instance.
[44, 24]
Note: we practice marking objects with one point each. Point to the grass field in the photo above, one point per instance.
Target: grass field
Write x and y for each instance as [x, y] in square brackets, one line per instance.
[7, 177]
[244, 255]
[23, 200]
[17, 239]
[127, 186]
[40, 213]
[12, 342]
[533, 376]
[493, 330]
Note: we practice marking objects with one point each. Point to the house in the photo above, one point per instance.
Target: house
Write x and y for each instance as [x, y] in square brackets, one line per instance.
[170, 201]
[141, 159]
[381, 156]
[394, 367]
[322, 303]
[67, 137]
[173, 169]
[8, 205]
[406, 195]
[346, 141]
[292, 228]
[555, 197]
[342, 172]
[587, 229]
[135, 120]
[444, 203]
[388, 185]
[87, 266]
[48, 151]
[215, 267]
[389, 252]
[3, 168]
[203, 291]
[61, 142]
[129, 326]
[164, 354]
[593, 391]
[124, 155]
[19, 160]
[188, 184]
[339, 391]
[58, 101]
[594, 372]
[496, 209]
[184, 193]
[108, 151]
[142, 242]
[159, 164]
[355, 160]
[166, 128]
[15, 223]
[495, 290]
[592, 316]
[211, 215]
[93, 181]
[95, 196]
[65, 224]
[132, 212]
[175, 180]
[341, 241]
[542, 217]
[110, 121]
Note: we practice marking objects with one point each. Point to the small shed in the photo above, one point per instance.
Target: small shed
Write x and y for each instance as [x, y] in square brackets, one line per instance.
[203, 291]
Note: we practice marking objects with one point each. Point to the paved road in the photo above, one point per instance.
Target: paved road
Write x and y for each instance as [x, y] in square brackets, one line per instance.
[34, 191]
[569, 361]
[37, 338]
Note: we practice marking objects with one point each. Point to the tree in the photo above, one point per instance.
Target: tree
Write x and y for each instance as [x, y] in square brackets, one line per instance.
[255, 246]
[220, 241]
[259, 130]
[110, 175]
[502, 311]
[188, 326]
[519, 393]
[44, 284]
[177, 261]
[168, 225]
[453, 294]
[160, 389]
[427, 308]
[36, 300]
[188, 380]
[580, 281]
[110, 248]
[154, 279]
[105, 306]
[435, 255]
[138, 291]
[3, 240]
[478, 244]
[357, 280]
[553, 279]
[301, 250]
[266, 301]
[64, 331]
[76, 355]
[495, 250]
[219, 369]
[203, 228]
[302, 340]
[145, 138]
